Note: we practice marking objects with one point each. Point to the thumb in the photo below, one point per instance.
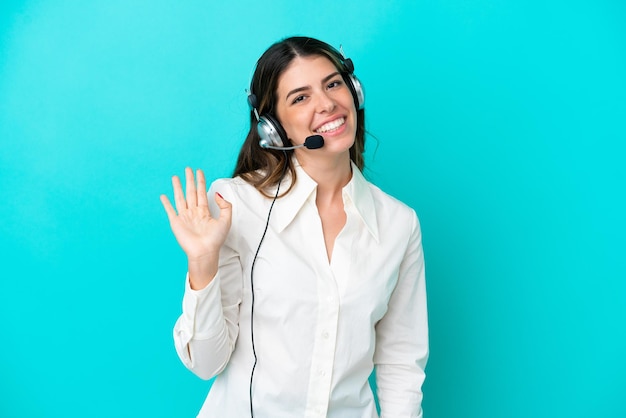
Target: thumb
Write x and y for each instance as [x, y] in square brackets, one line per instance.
[225, 207]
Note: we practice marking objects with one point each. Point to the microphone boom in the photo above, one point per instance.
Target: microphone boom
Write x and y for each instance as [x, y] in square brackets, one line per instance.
[311, 142]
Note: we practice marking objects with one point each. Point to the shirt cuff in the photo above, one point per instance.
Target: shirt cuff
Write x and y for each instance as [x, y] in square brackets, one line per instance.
[202, 309]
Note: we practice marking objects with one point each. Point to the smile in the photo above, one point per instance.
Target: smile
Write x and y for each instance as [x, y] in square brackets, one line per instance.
[331, 126]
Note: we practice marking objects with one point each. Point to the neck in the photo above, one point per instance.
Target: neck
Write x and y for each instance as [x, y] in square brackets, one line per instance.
[330, 174]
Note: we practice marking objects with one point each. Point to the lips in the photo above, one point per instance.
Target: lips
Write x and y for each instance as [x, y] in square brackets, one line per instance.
[331, 126]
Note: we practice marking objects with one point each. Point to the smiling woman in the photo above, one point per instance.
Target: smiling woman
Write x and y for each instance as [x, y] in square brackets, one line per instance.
[294, 297]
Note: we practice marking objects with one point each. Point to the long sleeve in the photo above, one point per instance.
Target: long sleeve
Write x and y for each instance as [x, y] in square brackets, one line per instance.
[205, 333]
[402, 338]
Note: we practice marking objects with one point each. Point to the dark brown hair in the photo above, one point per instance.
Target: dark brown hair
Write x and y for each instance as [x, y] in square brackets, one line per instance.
[264, 167]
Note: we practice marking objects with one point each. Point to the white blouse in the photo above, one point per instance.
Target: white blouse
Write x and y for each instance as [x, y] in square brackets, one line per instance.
[319, 327]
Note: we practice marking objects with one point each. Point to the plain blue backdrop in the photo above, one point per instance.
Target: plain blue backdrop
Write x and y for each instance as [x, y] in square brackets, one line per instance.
[502, 123]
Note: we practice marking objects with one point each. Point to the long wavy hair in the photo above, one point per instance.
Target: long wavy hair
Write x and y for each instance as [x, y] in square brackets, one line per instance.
[262, 167]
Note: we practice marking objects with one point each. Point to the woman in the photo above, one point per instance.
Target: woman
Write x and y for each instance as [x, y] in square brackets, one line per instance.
[302, 276]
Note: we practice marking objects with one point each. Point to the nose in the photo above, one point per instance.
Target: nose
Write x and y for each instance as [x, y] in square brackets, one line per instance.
[325, 103]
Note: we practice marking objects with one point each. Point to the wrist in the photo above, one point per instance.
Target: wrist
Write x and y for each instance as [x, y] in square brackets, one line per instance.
[202, 271]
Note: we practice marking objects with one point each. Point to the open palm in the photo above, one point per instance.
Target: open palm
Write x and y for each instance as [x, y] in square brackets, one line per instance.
[198, 233]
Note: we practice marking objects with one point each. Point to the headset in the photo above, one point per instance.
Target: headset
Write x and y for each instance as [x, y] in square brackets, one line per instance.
[273, 135]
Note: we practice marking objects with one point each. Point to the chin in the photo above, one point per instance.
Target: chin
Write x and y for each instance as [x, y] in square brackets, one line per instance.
[338, 145]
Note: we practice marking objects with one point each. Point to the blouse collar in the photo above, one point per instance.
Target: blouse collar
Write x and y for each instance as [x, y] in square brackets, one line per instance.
[357, 191]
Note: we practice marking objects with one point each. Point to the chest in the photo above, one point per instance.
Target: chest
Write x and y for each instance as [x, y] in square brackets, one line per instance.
[292, 269]
[333, 220]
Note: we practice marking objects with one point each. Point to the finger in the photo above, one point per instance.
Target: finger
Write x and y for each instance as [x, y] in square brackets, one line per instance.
[192, 199]
[169, 209]
[202, 196]
[226, 208]
[179, 197]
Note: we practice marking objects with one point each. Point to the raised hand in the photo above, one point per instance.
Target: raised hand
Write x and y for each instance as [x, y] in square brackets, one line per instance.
[199, 234]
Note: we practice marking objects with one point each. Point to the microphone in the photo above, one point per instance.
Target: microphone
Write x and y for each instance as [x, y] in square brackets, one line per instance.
[311, 142]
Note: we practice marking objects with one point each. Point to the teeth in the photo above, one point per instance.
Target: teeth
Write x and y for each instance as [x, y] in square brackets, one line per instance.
[330, 126]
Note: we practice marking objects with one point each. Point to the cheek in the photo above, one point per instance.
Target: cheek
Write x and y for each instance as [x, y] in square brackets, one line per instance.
[294, 121]
[283, 118]
[347, 101]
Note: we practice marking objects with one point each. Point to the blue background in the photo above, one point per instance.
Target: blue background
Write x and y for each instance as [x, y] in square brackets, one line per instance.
[500, 122]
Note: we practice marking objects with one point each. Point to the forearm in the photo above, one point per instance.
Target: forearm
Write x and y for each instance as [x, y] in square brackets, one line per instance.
[399, 390]
[207, 357]
[202, 270]
[203, 336]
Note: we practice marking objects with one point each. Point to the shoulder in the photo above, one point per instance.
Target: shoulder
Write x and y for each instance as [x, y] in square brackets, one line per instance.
[387, 206]
[386, 200]
[396, 221]
[247, 201]
[392, 208]
[249, 206]
[234, 188]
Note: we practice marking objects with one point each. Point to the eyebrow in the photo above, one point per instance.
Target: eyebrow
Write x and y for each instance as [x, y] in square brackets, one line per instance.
[299, 89]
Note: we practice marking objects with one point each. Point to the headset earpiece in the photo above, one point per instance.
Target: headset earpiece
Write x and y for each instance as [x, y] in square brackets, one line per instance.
[353, 83]
[271, 132]
[269, 129]
[349, 65]
[356, 89]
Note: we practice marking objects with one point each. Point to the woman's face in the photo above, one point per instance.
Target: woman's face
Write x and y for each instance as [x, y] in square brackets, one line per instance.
[313, 99]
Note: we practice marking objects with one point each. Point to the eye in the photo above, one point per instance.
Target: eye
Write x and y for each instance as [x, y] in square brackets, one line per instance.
[298, 99]
[335, 83]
